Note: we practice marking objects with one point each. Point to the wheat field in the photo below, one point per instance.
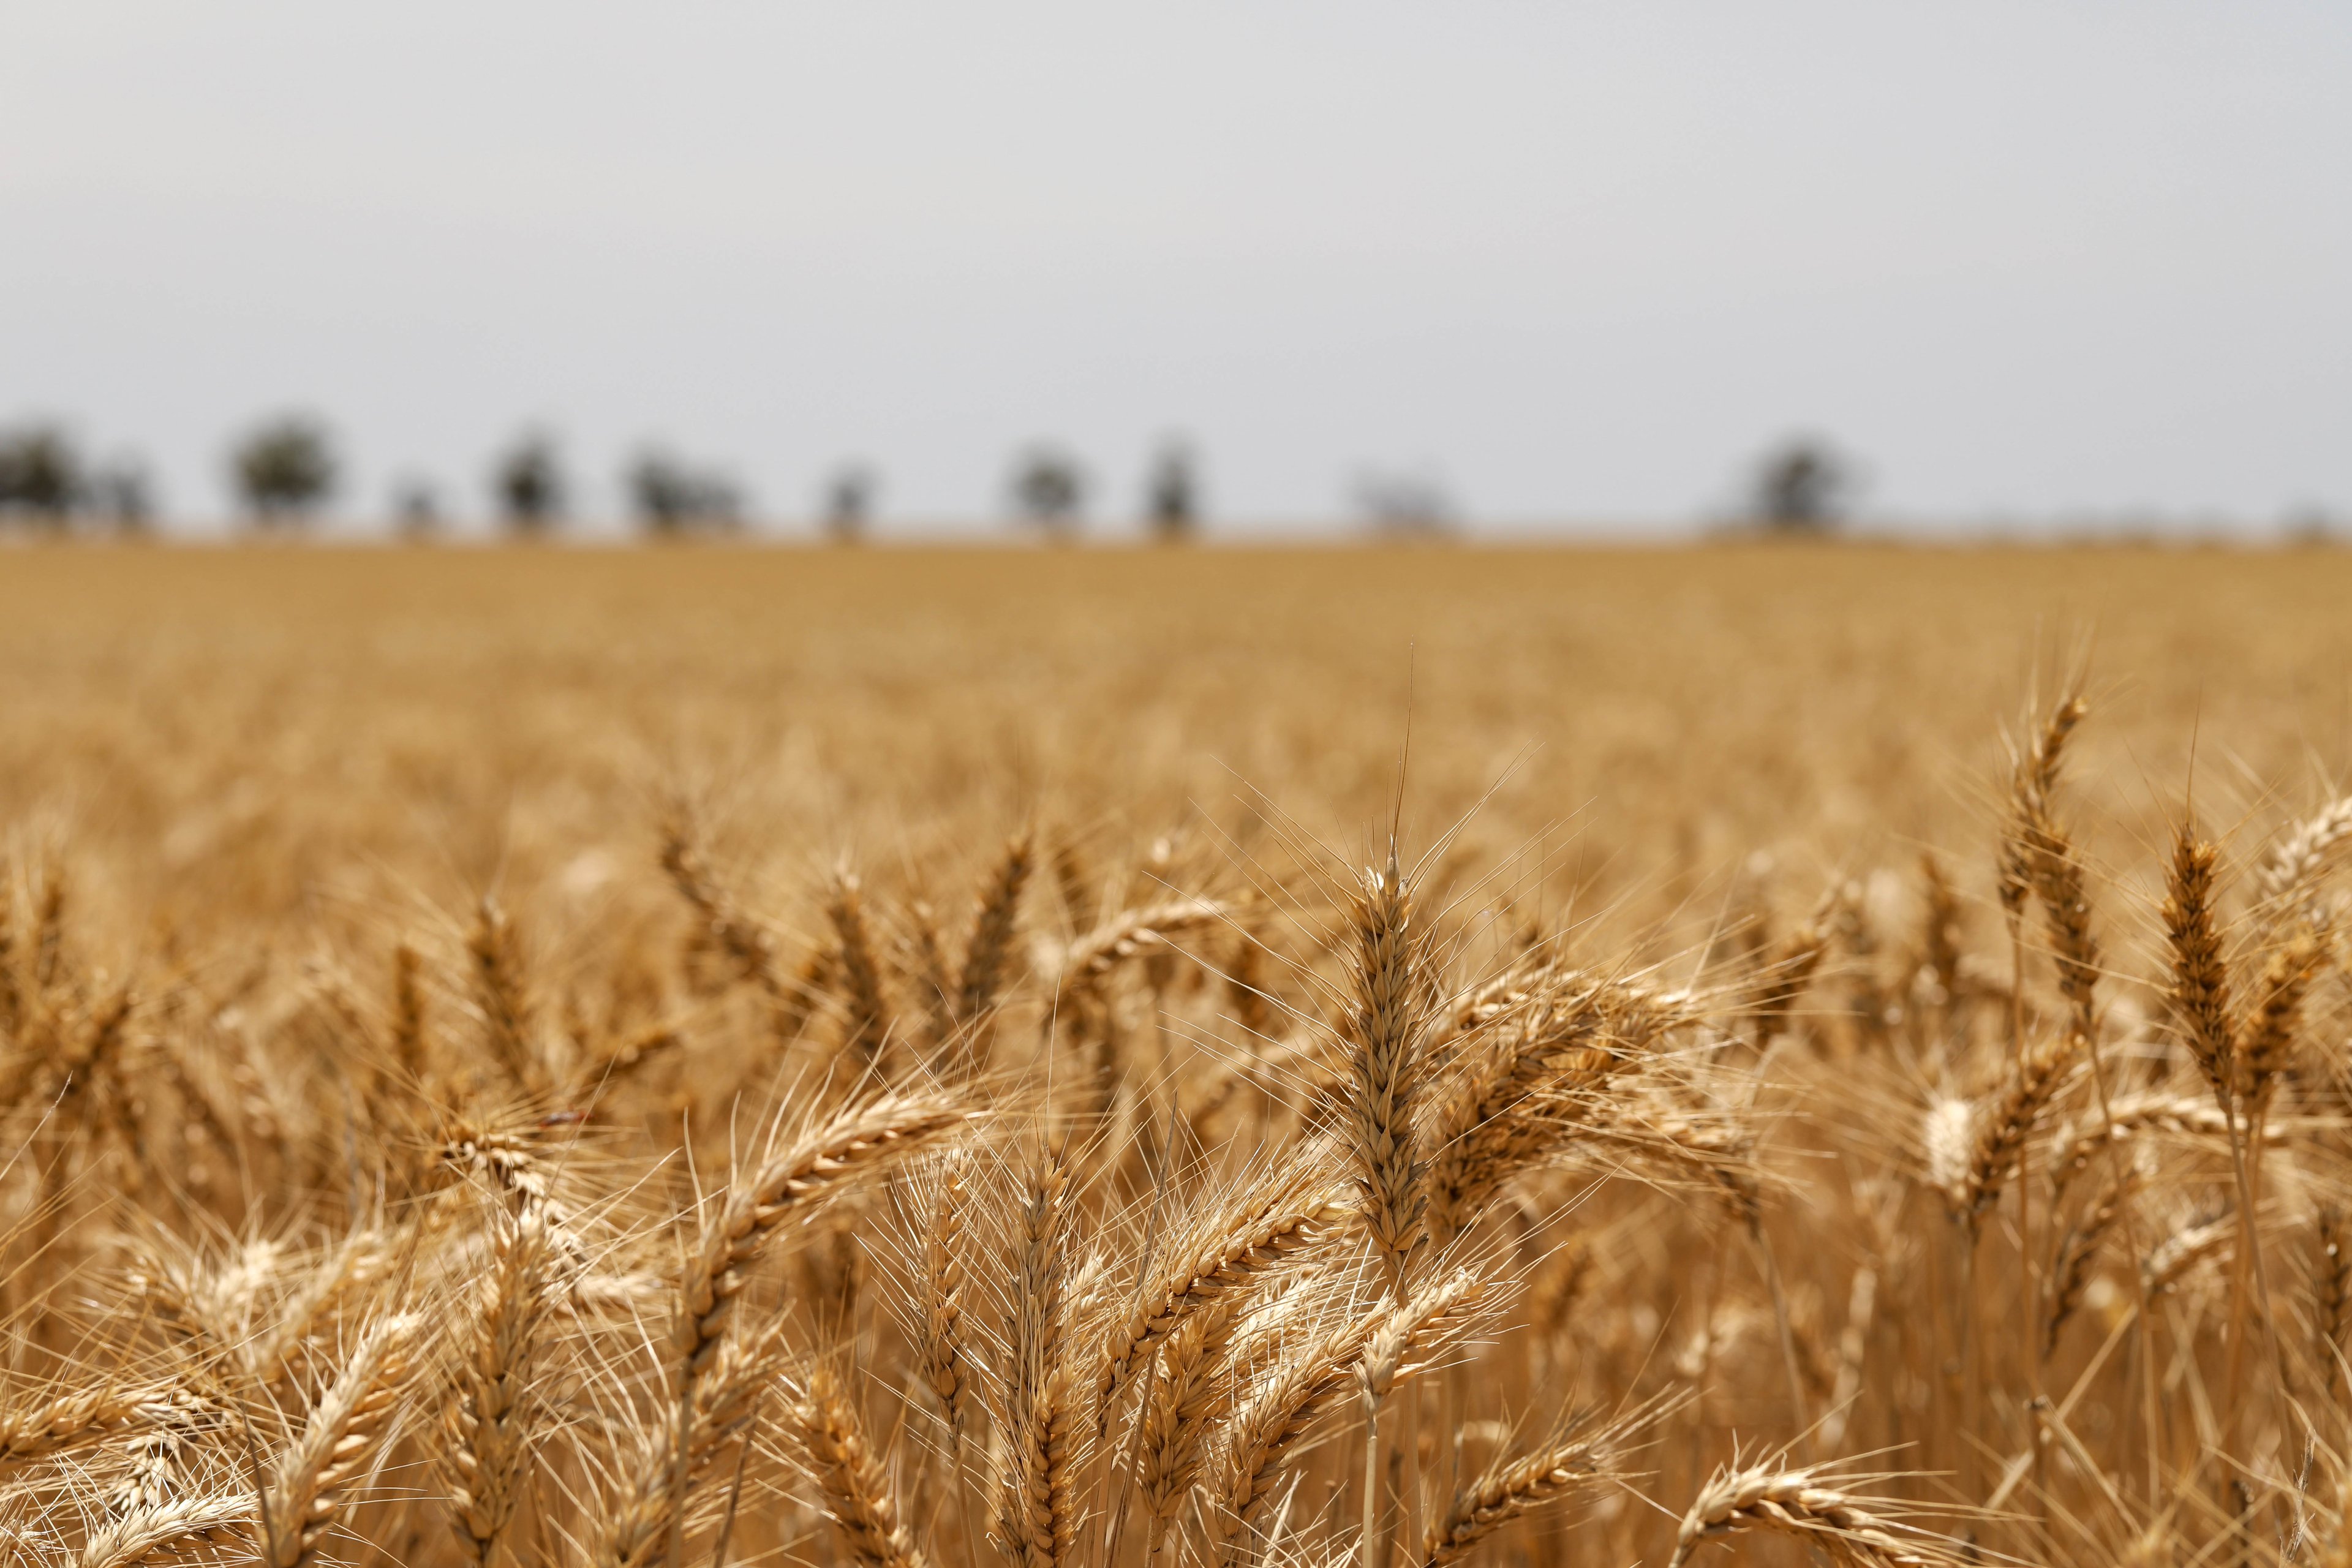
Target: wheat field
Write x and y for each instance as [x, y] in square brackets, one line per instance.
[1106, 1058]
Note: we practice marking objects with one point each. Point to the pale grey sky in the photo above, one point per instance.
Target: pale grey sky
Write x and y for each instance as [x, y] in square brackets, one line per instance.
[2028, 258]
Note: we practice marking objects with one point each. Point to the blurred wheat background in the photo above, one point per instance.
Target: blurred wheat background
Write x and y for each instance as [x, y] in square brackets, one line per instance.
[1377, 1055]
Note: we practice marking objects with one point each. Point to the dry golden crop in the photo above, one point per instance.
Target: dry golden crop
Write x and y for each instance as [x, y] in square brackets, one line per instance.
[1243, 1057]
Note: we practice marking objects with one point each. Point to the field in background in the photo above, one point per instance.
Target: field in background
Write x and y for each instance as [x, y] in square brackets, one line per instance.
[386, 930]
[235, 730]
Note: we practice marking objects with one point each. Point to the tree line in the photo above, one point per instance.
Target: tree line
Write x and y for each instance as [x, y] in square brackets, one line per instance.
[287, 471]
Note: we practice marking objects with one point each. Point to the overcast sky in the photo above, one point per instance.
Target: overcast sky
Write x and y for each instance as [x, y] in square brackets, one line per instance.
[1577, 260]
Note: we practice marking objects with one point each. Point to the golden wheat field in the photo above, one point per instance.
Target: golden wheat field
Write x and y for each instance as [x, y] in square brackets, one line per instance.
[901, 1059]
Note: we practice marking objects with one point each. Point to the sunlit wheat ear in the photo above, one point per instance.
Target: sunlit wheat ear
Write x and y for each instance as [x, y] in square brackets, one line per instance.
[662, 1466]
[1036, 1521]
[995, 922]
[157, 1462]
[2266, 1041]
[1193, 1387]
[850, 1480]
[189, 1529]
[2032, 781]
[46, 1424]
[2199, 994]
[866, 1019]
[1796, 1503]
[502, 991]
[2077, 1145]
[339, 1444]
[940, 1336]
[850, 1146]
[1387, 1018]
[1565, 1467]
[1373, 1353]
[2060, 884]
[749, 945]
[2292, 878]
[1529, 1090]
[2005, 1124]
[1286, 1401]
[1948, 1143]
[496, 1406]
[1236, 1250]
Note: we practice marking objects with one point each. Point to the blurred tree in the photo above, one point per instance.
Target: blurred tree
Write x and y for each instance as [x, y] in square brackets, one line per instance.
[849, 504]
[121, 493]
[673, 499]
[1405, 505]
[527, 480]
[415, 509]
[41, 475]
[1172, 500]
[1802, 487]
[1048, 492]
[283, 470]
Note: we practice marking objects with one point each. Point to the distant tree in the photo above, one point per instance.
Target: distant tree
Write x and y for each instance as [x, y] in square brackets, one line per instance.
[415, 509]
[122, 495]
[283, 471]
[1171, 499]
[2311, 527]
[1048, 491]
[527, 480]
[1405, 505]
[849, 504]
[673, 499]
[1802, 487]
[41, 477]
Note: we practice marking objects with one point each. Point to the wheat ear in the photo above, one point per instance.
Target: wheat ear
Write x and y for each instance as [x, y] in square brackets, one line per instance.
[169, 1529]
[2302, 860]
[42, 1427]
[1038, 1517]
[491, 1420]
[1311, 1383]
[2199, 994]
[856, 1488]
[995, 920]
[867, 1021]
[1259, 1237]
[847, 1147]
[945, 1358]
[501, 989]
[338, 1445]
[645, 1518]
[2266, 1041]
[1386, 1019]
[2002, 1130]
[1793, 1502]
[1509, 1487]
[1191, 1388]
